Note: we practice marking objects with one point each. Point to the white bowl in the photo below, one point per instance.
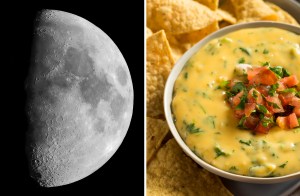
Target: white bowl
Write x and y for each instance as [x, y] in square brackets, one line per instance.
[168, 99]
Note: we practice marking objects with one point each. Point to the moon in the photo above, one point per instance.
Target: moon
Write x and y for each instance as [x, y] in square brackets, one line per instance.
[79, 99]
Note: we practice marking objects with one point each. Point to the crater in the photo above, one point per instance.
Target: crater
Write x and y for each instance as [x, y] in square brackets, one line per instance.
[121, 75]
[93, 89]
[117, 106]
[78, 62]
[45, 54]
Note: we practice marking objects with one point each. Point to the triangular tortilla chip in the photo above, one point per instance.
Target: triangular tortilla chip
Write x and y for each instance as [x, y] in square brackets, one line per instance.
[226, 16]
[283, 16]
[182, 42]
[148, 32]
[171, 172]
[158, 66]
[212, 4]
[178, 16]
[155, 133]
[253, 10]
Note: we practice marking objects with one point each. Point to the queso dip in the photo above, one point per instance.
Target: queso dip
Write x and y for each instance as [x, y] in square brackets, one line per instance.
[207, 124]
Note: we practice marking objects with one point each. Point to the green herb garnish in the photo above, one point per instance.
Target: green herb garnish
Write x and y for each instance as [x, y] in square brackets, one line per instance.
[265, 51]
[273, 89]
[248, 143]
[244, 50]
[186, 75]
[262, 108]
[219, 152]
[241, 60]
[283, 165]
[192, 129]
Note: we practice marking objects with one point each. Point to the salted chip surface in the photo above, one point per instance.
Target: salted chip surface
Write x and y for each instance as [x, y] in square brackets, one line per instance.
[283, 16]
[212, 4]
[159, 62]
[182, 42]
[253, 10]
[178, 16]
[171, 172]
[155, 133]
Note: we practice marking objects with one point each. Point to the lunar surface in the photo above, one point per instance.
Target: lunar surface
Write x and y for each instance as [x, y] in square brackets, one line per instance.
[80, 99]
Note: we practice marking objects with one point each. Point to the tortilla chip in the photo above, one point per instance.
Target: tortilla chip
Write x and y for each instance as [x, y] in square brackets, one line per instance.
[178, 16]
[155, 133]
[253, 10]
[283, 16]
[226, 16]
[158, 66]
[182, 42]
[171, 172]
[223, 24]
[227, 6]
[148, 32]
[212, 4]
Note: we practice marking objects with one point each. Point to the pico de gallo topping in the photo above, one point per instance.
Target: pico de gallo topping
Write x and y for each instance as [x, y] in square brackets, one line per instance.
[264, 96]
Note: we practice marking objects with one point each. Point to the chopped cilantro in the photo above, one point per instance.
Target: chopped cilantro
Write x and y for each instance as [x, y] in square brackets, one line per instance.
[255, 93]
[219, 152]
[186, 75]
[242, 103]
[290, 90]
[244, 50]
[265, 51]
[211, 120]
[241, 122]
[192, 129]
[266, 64]
[262, 108]
[248, 143]
[223, 84]
[238, 87]
[274, 105]
[283, 165]
[285, 72]
[267, 121]
[241, 60]
[277, 70]
[233, 168]
[273, 89]
[280, 71]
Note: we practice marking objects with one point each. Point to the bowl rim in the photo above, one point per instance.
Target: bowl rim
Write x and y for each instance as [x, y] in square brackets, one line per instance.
[168, 91]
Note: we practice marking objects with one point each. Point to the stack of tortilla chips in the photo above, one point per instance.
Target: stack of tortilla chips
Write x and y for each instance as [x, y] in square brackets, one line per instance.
[174, 26]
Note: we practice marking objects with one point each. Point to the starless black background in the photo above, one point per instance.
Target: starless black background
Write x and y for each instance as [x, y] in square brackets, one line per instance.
[123, 22]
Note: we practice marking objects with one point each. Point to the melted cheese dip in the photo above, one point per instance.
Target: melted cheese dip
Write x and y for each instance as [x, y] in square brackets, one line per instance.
[207, 124]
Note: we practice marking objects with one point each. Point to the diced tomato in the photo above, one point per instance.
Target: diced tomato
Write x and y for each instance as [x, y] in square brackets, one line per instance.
[249, 108]
[290, 80]
[286, 98]
[295, 101]
[262, 129]
[282, 122]
[261, 75]
[251, 73]
[254, 96]
[251, 122]
[281, 86]
[237, 98]
[264, 90]
[296, 110]
[274, 104]
[293, 121]
[239, 113]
